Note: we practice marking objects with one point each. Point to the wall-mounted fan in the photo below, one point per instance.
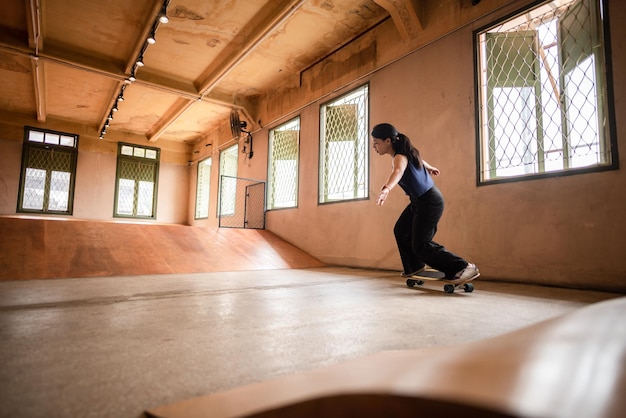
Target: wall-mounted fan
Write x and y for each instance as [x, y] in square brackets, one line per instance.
[237, 127]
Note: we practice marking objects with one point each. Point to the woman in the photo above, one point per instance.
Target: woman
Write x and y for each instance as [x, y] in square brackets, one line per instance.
[417, 225]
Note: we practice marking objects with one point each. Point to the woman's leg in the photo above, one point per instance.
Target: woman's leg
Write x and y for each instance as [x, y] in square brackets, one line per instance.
[402, 231]
[428, 209]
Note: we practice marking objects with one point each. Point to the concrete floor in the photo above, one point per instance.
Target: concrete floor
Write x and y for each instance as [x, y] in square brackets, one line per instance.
[115, 347]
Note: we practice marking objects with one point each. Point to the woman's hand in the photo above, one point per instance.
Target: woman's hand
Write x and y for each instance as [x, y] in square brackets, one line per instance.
[434, 171]
[382, 196]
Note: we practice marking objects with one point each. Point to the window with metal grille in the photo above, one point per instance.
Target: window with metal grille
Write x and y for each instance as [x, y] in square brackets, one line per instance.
[282, 173]
[48, 172]
[203, 188]
[136, 185]
[343, 173]
[544, 93]
[228, 180]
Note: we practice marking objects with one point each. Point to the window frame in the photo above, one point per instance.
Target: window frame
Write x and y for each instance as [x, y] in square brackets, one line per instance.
[136, 159]
[606, 106]
[231, 177]
[270, 160]
[27, 147]
[322, 198]
[208, 187]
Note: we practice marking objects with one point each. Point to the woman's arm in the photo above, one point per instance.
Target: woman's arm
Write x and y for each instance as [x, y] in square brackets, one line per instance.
[398, 166]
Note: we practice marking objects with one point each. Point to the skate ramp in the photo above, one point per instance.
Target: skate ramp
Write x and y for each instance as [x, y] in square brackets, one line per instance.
[565, 367]
[51, 248]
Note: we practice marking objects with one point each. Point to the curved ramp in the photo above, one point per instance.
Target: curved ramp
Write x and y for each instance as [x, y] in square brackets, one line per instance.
[571, 366]
[45, 248]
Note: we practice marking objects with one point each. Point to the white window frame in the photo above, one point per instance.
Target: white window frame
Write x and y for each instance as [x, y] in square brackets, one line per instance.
[203, 188]
[532, 119]
[282, 170]
[344, 150]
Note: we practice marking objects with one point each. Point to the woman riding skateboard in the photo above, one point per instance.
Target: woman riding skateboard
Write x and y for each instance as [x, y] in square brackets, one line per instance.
[417, 225]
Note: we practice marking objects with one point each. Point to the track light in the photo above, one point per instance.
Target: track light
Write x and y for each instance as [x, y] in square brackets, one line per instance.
[163, 14]
[120, 98]
[140, 61]
[110, 117]
[114, 108]
[152, 38]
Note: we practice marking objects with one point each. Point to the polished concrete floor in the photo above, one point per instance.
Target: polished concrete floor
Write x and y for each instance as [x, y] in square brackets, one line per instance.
[117, 346]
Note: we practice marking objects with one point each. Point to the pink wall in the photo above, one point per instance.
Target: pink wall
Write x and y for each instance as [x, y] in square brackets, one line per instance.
[95, 180]
[565, 231]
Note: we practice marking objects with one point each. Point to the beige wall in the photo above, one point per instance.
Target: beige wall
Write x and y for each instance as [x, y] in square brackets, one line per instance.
[95, 174]
[558, 231]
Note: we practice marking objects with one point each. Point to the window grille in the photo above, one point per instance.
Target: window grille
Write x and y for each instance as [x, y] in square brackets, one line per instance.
[203, 188]
[343, 147]
[283, 165]
[137, 174]
[228, 184]
[543, 94]
[245, 203]
[48, 172]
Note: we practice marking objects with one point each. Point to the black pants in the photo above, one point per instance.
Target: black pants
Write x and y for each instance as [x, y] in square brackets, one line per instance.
[414, 233]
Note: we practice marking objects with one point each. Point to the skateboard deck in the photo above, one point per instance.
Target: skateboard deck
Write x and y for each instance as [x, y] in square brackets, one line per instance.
[438, 276]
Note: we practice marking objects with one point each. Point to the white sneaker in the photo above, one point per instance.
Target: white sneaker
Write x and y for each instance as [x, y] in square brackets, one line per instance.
[468, 274]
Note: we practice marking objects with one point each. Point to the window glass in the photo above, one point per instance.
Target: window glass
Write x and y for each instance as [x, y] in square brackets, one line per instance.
[137, 175]
[283, 165]
[48, 172]
[542, 91]
[344, 152]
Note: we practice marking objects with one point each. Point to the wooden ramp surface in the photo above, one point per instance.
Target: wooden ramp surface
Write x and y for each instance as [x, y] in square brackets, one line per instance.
[567, 367]
[45, 248]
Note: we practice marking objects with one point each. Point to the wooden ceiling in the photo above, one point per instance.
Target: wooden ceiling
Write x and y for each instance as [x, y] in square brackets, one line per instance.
[69, 60]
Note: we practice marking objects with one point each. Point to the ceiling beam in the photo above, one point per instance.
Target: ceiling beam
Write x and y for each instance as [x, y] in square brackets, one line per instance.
[174, 112]
[263, 30]
[35, 42]
[406, 16]
[164, 85]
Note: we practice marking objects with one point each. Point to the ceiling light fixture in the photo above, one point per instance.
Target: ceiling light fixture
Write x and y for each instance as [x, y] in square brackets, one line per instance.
[163, 13]
[152, 38]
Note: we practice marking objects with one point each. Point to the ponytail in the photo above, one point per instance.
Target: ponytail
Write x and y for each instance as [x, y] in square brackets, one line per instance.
[402, 145]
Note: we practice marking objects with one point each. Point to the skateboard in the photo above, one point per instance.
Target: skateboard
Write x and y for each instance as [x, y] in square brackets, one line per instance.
[438, 276]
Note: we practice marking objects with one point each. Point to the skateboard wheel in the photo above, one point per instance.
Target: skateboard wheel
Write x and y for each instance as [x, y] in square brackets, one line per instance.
[410, 282]
[468, 287]
[449, 288]
[420, 282]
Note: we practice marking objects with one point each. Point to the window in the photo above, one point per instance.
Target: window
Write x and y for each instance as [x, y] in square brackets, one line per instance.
[543, 93]
[203, 188]
[283, 165]
[228, 179]
[136, 185]
[48, 172]
[343, 147]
